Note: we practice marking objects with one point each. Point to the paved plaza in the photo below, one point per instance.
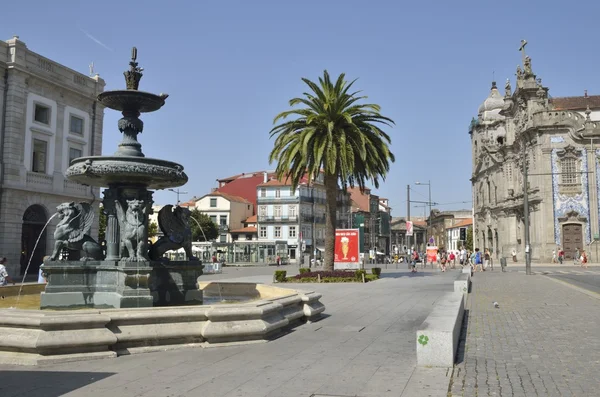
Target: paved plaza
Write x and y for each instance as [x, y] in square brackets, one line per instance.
[543, 340]
[365, 346]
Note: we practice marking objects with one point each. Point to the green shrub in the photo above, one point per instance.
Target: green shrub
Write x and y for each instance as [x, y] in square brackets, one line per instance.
[359, 273]
[280, 276]
[371, 277]
[376, 271]
[304, 270]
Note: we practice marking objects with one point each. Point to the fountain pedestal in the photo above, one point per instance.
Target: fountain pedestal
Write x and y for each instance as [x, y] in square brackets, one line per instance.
[124, 276]
[118, 284]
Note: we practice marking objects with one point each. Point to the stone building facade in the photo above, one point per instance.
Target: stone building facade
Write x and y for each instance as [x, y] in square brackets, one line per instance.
[558, 140]
[48, 115]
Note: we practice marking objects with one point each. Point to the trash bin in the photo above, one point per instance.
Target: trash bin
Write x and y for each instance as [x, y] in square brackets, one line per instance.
[503, 262]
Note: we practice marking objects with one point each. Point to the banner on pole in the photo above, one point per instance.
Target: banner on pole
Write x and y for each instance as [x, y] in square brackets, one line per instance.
[409, 228]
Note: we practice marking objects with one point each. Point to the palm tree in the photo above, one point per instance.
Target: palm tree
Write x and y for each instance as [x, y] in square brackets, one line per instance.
[335, 135]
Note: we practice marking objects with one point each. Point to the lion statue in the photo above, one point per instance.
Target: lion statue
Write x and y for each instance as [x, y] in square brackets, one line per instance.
[133, 230]
[175, 225]
[72, 231]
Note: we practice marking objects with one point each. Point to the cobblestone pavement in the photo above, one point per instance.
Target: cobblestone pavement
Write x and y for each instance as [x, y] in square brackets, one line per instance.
[543, 340]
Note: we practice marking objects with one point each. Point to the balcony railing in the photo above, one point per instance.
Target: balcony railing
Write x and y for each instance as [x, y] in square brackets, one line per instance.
[223, 228]
[269, 218]
[277, 200]
[39, 179]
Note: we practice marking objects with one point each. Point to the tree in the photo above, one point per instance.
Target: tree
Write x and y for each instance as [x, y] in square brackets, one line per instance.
[335, 135]
[469, 242]
[203, 229]
[152, 229]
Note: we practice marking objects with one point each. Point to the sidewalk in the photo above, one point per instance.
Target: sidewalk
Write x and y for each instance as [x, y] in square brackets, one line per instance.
[543, 340]
[365, 346]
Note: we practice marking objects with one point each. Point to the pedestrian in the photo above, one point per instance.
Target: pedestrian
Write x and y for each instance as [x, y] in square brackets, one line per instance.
[452, 260]
[561, 255]
[278, 260]
[41, 276]
[514, 255]
[554, 256]
[584, 259]
[413, 262]
[4, 277]
[576, 257]
[478, 260]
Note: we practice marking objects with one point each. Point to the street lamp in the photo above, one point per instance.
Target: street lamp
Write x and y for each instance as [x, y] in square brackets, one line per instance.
[177, 192]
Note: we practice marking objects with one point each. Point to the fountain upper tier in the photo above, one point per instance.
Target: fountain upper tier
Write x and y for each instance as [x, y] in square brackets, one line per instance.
[102, 171]
[132, 100]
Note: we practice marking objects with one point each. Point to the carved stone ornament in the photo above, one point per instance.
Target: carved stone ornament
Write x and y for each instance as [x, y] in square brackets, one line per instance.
[175, 225]
[133, 226]
[569, 151]
[507, 89]
[572, 216]
[73, 231]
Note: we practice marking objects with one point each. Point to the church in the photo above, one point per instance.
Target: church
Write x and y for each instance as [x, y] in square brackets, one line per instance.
[558, 141]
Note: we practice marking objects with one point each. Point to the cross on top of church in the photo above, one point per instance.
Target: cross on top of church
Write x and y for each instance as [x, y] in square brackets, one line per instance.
[522, 49]
[92, 69]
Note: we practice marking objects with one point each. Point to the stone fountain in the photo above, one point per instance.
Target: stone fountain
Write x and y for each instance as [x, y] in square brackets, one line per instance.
[130, 271]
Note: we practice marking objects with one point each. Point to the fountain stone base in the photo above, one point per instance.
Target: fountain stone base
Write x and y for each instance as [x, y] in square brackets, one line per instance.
[120, 284]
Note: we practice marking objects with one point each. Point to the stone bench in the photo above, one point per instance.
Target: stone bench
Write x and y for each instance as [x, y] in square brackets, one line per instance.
[462, 283]
[437, 338]
[468, 269]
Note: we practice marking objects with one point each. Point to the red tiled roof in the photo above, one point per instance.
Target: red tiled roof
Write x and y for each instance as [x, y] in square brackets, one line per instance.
[227, 196]
[420, 223]
[576, 102]
[252, 219]
[243, 187]
[463, 223]
[234, 177]
[273, 181]
[249, 229]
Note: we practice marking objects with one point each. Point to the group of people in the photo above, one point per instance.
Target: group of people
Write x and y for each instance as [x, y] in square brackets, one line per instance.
[579, 257]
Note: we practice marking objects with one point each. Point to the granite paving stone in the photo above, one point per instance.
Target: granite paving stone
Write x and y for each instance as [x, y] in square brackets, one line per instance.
[541, 341]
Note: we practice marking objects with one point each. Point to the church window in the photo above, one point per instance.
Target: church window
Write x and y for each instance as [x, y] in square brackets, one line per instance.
[489, 192]
[569, 174]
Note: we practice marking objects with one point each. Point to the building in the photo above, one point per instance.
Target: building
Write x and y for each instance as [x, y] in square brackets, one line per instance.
[244, 185]
[557, 139]
[296, 218]
[248, 231]
[400, 242]
[440, 221]
[228, 212]
[372, 215]
[49, 115]
[453, 240]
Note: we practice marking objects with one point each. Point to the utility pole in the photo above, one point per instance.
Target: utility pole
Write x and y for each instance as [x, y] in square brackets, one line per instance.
[407, 214]
[526, 209]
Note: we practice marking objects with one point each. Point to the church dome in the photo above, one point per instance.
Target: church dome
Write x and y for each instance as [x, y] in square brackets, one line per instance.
[491, 107]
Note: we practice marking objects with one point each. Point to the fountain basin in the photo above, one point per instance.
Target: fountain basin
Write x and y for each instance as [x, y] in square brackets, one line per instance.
[101, 171]
[38, 337]
[131, 100]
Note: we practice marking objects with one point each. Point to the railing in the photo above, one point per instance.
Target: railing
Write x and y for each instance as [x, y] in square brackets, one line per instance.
[269, 218]
[37, 178]
[272, 199]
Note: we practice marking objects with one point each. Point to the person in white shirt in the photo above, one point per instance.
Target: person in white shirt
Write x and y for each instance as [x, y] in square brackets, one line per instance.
[4, 277]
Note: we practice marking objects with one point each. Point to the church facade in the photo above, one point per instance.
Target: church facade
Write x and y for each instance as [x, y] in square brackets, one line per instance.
[558, 140]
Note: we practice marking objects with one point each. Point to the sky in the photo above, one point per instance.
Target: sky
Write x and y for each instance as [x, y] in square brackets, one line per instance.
[231, 66]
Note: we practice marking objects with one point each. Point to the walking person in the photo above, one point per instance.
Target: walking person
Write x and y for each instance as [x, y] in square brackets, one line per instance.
[486, 259]
[584, 259]
[576, 257]
[561, 255]
[514, 255]
[554, 256]
[478, 260]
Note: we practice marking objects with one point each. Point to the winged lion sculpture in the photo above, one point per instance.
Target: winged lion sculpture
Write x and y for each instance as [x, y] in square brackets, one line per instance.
[73, 231]
[175, 225]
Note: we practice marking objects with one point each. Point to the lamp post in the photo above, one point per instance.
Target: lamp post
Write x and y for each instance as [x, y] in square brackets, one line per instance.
[428, 183]
[177, 192]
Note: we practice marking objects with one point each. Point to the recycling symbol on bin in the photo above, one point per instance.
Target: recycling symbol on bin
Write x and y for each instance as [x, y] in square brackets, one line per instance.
[423, 339]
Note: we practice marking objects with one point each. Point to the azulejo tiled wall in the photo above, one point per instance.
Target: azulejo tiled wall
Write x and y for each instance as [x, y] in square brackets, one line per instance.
[565, 203]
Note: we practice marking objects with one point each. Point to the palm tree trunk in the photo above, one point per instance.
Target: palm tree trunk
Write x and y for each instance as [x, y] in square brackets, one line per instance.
[330, 219]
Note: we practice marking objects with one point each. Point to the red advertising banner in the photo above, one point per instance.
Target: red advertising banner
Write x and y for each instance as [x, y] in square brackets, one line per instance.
[347, 246]
[432, 254]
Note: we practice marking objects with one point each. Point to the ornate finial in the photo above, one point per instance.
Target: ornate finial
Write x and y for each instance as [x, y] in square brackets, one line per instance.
[588, 111]
[585, 95]
[134, 74]
[507, 89]
[494, 85]
[519, 73]
[527, 67]
[541, 92]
